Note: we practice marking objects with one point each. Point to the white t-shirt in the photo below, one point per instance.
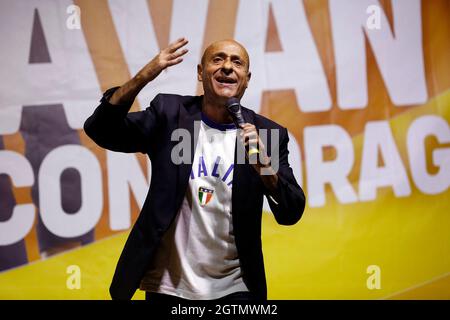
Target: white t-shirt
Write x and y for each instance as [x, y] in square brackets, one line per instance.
[197, 257]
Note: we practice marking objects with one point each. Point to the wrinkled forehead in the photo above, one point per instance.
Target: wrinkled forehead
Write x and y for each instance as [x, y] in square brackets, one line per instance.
[229, 47]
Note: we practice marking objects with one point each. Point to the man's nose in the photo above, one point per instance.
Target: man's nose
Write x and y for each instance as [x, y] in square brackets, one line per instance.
[227, 67]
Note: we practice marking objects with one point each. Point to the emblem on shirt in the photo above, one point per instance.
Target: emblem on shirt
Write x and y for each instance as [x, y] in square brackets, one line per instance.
[204, 195]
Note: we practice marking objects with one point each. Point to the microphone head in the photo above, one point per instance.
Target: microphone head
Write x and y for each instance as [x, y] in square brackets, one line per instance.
[233, 101]
[234, 108]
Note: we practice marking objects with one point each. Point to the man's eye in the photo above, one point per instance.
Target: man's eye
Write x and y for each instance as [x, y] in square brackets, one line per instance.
[238, 62]
[217, 59]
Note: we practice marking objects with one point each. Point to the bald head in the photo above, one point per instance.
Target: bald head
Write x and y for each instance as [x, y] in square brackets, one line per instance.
[224, 71]
[213, 47]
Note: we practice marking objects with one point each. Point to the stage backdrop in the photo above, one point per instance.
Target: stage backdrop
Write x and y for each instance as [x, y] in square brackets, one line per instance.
[363, 87]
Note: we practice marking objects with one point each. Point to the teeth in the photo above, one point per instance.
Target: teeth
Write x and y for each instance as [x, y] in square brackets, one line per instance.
[226, 80]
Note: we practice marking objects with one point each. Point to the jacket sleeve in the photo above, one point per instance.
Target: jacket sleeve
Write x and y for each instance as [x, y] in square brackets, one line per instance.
[114, 128]
[287, 202]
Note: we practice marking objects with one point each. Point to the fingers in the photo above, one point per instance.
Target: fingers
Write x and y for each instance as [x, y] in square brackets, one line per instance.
[249, 135]
[178, 54]
[254, 144]
[172, 55]
[176, 58]
[247, 125]
[248, 131]
[177, 45]
[174, 62]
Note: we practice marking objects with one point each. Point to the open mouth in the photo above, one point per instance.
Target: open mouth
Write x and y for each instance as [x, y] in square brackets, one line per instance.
[225, 80]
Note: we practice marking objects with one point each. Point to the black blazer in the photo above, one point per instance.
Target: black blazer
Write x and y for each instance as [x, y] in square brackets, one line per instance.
[149, 132]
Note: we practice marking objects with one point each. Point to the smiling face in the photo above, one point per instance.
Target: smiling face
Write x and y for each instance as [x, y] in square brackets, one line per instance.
[224, 71]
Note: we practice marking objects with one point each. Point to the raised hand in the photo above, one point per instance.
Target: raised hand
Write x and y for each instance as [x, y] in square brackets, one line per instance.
[169, 56]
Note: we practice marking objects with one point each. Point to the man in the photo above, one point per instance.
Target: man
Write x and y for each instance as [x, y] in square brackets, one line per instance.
[198, 235]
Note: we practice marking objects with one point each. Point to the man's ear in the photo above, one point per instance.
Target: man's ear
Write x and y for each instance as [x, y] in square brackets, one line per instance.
[249, 76]
[199, 72]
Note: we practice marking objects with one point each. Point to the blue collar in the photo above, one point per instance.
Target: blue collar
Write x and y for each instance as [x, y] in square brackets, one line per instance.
[216, 125]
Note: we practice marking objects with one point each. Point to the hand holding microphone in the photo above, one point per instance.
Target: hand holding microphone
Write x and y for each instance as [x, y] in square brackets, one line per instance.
[234, 108]
[252, 143]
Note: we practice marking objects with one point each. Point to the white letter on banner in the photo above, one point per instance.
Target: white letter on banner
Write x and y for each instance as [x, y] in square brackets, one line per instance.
[69, 78]
[399, 59]
[53, 216]
[297, 67]
[320, 172]
[419, 130]
[378, 136]
[124, 173]
[135, 29]
[19, 170]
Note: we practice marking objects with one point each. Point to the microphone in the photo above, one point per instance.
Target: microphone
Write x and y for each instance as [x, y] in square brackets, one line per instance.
[234, 108]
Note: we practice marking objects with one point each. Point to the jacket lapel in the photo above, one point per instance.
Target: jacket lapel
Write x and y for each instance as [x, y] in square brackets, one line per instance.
[190, 113]
[241, 176]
